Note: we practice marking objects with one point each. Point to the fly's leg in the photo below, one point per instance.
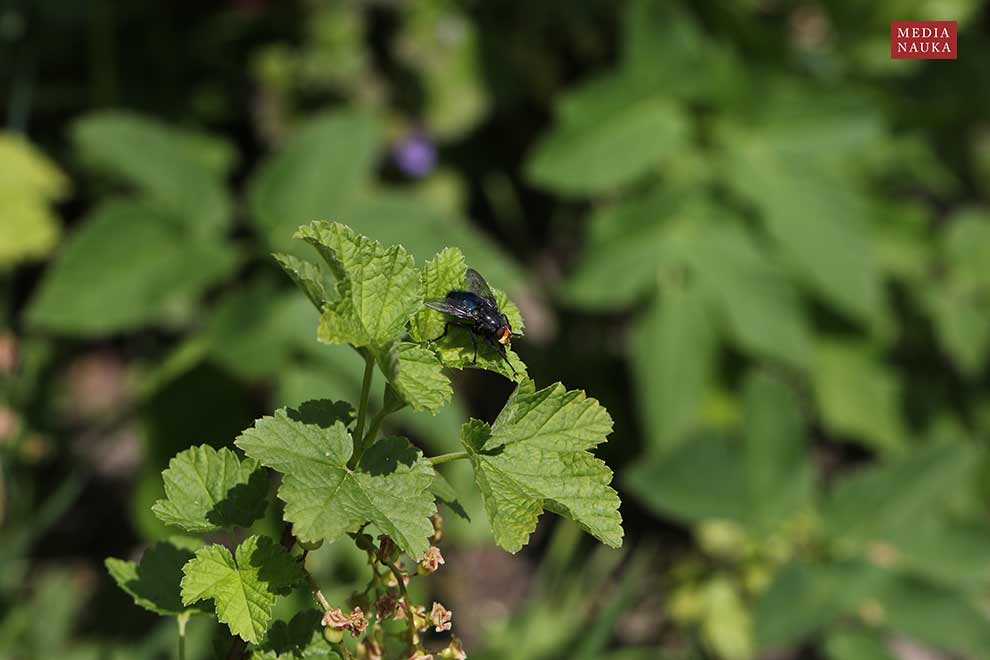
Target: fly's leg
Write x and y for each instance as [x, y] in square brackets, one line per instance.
[474, 340]
[501, 351]
[446, 327]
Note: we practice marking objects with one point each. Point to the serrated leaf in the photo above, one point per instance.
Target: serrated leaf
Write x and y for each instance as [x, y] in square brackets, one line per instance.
[302, 637]
[445, 492]
[306, 275]
[316, 174]
[417, 376]
[598, 147]
[880, 502]
[324, 499]
[178, 169]
[208, 490]
[858, 396]
[128, 264]
[445, 273]
[376, 289]
[153, 583]
[244, 587]
[535, 456]
[676, 345]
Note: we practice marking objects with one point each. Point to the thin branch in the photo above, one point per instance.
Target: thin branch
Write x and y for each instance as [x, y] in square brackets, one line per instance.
[446, 458]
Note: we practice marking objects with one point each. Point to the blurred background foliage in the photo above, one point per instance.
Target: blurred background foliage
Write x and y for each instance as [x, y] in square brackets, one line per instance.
[760, 242]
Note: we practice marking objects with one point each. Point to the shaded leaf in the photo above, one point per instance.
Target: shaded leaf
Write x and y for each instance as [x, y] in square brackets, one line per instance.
[417, 376]
[153, 583]
[535, 456]
[208, 490]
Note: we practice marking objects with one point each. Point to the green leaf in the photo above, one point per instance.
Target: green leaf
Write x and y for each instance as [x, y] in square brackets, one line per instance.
[302, 637]
[129, 264]
[209, 490]
[307, 277]
[779, 477]
[601, 145]
[762, 309]
[877, 503]
[856, 645]
[154, 582]
[29, 182]
[444, 273]
[627, 244]
[377, 289]
[180, 170]
[255, 330]
[535, 456]
[324, 499]
[444, 492]
[812, 207]
[858, 396]
[936, 615]
[668, 483]
[675, 344]
[805, 597]
[417, 376]
[244, 587]
[316, 174]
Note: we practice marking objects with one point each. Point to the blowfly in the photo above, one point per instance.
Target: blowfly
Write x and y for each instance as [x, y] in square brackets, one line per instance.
[477, 310]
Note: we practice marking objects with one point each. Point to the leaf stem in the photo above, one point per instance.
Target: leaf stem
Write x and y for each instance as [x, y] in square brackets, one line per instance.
[446, 458]
[369, 374]
[181, 620]
[314, 587]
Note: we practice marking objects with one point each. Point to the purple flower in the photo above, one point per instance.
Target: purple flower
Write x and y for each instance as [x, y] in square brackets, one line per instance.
[415, 154]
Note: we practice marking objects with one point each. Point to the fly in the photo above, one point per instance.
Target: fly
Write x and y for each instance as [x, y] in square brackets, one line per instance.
[476, 310]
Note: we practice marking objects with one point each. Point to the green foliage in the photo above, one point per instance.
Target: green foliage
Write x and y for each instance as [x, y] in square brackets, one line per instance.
[324, 498]
[129, 265]
[153, 582]
[209, 490]
[535, 456]
[243, 586]
[29, 183]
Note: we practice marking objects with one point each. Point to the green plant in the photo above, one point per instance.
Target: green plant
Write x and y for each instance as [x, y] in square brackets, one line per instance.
[340, 479]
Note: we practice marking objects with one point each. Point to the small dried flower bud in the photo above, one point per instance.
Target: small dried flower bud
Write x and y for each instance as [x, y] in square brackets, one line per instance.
[454, 650]
[431, 561]
[386, 606]
[388, 552]
[437, 521]
[440, 617]
[335, 618]
[358, 622]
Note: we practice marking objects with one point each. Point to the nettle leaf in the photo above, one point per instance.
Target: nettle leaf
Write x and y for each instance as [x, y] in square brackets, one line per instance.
[154, 582]
[174, 167]
[208, 490]
[325, 499]
[445, 273]
[535, 456]
[306, 275]
[302, 637]
[417, 376]
[245, 586]
[377, 289]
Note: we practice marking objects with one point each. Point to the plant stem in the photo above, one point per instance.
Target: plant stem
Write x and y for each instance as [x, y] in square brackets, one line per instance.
[408, 606]
[314, 587]
[182, 619]
[369, 373]
[446, 458]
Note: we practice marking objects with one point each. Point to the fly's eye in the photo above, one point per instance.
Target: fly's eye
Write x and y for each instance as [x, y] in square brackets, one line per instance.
[504, 334]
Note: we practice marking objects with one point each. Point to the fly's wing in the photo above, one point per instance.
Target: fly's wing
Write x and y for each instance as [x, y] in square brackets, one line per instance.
[476, 284]
[444, 307]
